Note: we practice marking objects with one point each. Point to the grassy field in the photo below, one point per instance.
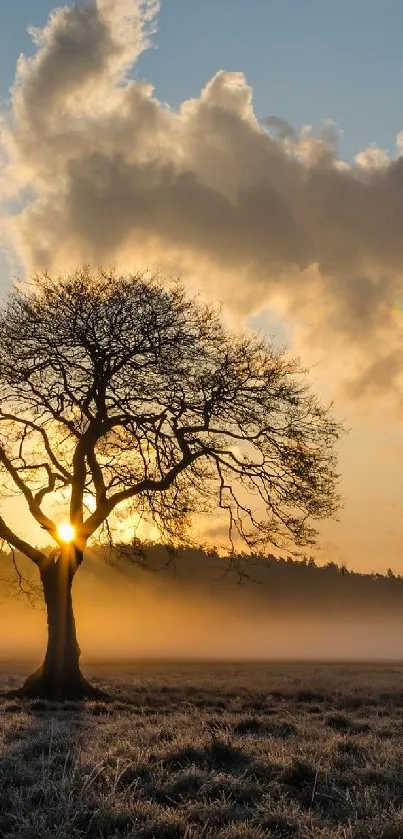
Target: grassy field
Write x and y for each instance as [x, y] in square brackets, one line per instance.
[231, 751]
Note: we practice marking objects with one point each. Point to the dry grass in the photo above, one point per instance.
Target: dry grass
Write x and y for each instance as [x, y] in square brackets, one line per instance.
[192, 752]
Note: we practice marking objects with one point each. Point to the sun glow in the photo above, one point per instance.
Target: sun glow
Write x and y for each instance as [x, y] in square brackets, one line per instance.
[66, 532]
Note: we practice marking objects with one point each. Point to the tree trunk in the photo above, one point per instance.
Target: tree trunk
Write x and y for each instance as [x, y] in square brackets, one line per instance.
[59, 677]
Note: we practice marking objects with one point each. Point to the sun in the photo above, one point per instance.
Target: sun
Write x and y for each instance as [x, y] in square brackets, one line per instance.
[66, 532]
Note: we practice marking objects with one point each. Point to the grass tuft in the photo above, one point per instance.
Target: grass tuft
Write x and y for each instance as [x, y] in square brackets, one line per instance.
[340, 722]
[209, 753]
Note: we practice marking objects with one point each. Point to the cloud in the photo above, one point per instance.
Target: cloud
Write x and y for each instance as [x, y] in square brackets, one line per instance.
[281, 126]
[259, 213]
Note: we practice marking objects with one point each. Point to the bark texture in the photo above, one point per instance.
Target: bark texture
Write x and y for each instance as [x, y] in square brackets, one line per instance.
[60, 677]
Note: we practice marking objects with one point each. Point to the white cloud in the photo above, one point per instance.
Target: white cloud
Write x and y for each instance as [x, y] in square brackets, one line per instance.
[373, 157]
[257, 212]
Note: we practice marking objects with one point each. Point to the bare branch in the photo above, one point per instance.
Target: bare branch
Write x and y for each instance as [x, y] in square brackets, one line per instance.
[125, 388]
[40, 559]
[27, 423]
[32, 500]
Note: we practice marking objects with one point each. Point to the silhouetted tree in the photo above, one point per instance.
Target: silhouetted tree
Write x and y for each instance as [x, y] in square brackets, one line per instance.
[126, 392]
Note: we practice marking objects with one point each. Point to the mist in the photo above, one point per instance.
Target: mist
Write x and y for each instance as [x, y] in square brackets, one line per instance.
[127, 613]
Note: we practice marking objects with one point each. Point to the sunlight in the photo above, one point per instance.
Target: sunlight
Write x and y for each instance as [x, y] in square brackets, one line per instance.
[90, 503]
[66, 532]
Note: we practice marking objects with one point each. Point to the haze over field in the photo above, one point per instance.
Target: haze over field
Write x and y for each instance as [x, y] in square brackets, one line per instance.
[193, 612]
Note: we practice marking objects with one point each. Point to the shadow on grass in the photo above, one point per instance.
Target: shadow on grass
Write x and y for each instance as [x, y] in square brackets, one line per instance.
[54, 784]
[40, 767]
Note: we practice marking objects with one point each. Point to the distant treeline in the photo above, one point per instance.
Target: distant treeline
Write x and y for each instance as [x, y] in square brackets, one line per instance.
[297, 584]
[243, 563]
[300, 582]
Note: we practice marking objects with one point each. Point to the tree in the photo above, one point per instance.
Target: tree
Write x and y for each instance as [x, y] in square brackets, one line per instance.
[124, 391]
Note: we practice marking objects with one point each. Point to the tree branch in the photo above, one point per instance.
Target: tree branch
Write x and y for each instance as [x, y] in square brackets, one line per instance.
[51, 455]
[40, 559]
[146, 485]
[33, 503]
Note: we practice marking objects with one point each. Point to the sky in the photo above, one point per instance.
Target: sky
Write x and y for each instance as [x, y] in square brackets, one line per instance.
[254, 149]
[306, 61]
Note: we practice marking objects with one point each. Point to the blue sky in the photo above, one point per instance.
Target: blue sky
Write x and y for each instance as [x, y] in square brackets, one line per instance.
[306, 59]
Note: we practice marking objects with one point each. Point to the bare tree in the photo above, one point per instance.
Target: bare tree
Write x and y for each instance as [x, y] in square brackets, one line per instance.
[124, 390]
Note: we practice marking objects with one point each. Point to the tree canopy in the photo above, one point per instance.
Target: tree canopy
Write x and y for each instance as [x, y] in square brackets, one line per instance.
[127, 391]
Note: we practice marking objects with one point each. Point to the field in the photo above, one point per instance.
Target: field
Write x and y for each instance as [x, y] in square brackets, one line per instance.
[197, 751]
